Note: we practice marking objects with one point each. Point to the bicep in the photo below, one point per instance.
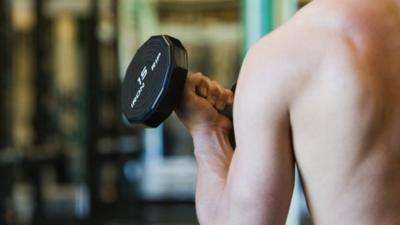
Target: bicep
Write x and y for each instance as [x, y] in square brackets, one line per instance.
[261, 176]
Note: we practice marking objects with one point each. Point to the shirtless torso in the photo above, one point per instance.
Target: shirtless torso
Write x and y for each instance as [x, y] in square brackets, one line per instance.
[322, 91]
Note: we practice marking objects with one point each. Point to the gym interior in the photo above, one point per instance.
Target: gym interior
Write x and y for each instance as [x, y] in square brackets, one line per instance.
[67, 155]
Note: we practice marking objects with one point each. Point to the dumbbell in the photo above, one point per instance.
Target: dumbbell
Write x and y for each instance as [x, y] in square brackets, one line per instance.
[154, 81]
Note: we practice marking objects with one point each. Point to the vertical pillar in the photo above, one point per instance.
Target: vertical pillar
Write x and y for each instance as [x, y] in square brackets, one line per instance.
[92, 87]
[5, 74]
[5, 126]
[41, 76]
[257, 18]
[41, 87]
[283, 11]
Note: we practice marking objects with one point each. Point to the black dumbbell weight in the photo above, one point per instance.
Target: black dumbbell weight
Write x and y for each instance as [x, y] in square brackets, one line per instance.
[154, 81]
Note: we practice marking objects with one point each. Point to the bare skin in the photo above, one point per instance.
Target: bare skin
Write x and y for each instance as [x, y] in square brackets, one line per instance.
[322, 93]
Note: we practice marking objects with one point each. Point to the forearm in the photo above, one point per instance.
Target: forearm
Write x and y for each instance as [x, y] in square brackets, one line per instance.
[213, 153]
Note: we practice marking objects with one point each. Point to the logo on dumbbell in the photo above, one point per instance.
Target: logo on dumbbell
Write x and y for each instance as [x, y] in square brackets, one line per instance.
[141, 78]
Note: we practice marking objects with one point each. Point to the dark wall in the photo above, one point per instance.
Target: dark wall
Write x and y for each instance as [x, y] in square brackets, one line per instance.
[5, 73]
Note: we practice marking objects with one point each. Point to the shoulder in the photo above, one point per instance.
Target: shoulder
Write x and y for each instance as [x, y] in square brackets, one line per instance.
[280, 62]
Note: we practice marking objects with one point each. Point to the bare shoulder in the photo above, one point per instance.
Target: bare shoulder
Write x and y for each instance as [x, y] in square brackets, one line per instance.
[324, 36]
[283, 61]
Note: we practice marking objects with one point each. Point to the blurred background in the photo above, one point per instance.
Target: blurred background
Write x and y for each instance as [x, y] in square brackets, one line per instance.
[66, 156]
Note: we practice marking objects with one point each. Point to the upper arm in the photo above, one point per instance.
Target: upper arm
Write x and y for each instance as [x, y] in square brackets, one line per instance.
[261, 176]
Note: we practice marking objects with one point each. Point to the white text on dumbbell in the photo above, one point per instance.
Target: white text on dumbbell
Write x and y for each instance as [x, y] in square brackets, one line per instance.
[141, 78]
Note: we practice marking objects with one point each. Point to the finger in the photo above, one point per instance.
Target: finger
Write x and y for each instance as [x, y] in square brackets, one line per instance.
[199, 83]
[213, 92]
[194, 79]
[202, 88]
[222, 100]
[230, 97]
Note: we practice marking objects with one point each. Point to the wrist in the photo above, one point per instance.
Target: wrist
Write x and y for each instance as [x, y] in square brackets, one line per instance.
[209, 141]
[209, 134]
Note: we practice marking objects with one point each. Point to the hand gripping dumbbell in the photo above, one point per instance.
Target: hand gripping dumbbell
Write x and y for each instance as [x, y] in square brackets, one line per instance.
[154, 81]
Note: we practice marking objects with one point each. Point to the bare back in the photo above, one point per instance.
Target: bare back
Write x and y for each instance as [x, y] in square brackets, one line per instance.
[346, 115]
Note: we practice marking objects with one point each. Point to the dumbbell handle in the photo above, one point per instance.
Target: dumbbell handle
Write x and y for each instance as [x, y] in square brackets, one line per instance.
[228, 111]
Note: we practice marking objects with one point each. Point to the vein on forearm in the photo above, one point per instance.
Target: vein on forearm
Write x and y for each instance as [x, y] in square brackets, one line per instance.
[213, 154]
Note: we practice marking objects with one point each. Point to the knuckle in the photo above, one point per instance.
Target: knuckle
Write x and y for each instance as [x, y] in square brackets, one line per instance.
[202, 83]
[215, 90]
[199, 74]
[194, 76]
[213, 87]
